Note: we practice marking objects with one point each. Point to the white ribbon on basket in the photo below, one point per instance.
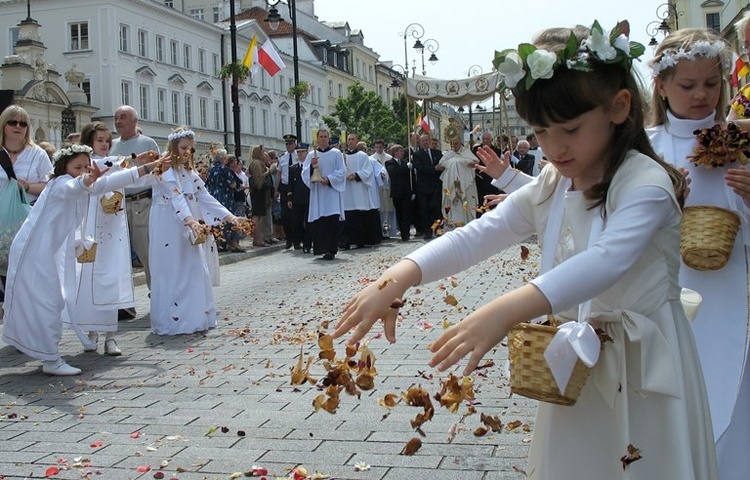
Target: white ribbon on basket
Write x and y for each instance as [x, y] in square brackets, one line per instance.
[573, 340]
[84, 244]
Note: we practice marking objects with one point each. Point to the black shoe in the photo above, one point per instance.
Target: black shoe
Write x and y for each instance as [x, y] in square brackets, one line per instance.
[126, 313]
[289, 245]
[306, 250]
[328, 256]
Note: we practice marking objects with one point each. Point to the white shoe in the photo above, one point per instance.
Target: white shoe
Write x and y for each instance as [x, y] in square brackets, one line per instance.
[111, 348]
[59, 367]
[94, 337]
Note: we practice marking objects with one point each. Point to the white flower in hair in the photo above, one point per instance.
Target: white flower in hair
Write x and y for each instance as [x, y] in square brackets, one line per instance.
[512, 69]
[622, 43]
[598, 44]
[701, 48]
[182, 134]
[541, 64]
[74, 149]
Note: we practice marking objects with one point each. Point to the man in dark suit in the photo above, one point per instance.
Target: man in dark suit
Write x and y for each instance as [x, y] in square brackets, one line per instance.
[401, 175]
[524, 160]
[484, 181]
[429, 187]
[298, 203]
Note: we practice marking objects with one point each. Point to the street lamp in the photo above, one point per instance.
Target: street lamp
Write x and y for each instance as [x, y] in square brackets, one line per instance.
[431, 46]
[416, 31]
[235, 85]
[473, 71]
[397, 72]
[652, 29]
[274, 19]
[666, 12]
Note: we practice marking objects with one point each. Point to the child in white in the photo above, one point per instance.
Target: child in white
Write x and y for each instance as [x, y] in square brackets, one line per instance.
[689, 69]
[608, 215]
[106, 284]
[42, 255]
[182, 300]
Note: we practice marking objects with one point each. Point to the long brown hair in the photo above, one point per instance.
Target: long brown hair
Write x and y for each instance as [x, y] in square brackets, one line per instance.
[571, 93]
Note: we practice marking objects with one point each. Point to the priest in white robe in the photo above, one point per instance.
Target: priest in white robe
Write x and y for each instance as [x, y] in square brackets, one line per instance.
[460, 197]
[358, 200]
[325, 175]
[387, 209]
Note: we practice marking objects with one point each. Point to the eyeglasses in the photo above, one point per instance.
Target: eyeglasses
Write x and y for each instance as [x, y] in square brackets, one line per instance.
[13, 123]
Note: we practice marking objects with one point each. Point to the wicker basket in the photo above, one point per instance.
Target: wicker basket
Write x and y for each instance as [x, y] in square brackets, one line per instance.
[88, 255]
[530, 374]
[707, 237]
[112, 204]
[199, 239]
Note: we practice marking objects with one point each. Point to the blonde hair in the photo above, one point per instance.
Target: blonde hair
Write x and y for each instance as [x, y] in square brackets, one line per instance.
[8, 114]
[172, 146]
[684, 39]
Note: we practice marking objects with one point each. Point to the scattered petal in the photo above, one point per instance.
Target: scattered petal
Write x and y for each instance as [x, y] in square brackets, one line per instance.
[51, 472]
[361, 467]
[412, 446]
[135, 434]
[143, 469]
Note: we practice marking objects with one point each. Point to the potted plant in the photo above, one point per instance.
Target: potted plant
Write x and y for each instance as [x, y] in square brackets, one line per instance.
[302, 89]
[235, 70]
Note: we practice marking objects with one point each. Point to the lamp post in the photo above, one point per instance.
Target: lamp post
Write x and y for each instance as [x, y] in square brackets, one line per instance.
[473, 71]
[273, 20]
[666, 12]
[235, 84]
[416, 31]
[431, 46]
[652, 29]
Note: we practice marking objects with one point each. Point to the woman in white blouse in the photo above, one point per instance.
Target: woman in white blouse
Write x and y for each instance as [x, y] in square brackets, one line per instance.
[30, 162]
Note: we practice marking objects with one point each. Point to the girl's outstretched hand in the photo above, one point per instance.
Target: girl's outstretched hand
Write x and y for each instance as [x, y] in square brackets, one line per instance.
[739, 180]
[494, 166]
[494, 199]
[475, 335]
[376, 302]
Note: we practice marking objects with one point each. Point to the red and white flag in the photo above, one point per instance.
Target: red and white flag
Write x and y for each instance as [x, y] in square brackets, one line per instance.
[269, 58]
[426, 124]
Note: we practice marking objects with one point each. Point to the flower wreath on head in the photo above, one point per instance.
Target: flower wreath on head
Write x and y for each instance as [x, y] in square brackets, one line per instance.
[522, 67]
[702, 48]
[181, 134]
[71, 151]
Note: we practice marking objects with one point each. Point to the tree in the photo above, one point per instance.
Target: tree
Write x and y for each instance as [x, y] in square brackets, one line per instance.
[366, 114]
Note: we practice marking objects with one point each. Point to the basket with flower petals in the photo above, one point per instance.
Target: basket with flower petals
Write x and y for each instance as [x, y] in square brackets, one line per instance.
[88, 255]
[111, 204]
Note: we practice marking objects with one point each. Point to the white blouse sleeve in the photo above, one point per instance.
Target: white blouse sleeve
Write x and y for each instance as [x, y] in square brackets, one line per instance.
[479, 239]
[627, 232]
[511, 180]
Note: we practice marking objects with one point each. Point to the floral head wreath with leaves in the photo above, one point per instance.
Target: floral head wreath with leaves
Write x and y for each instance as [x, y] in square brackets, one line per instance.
[522, 67]
[71, 151]
[180, 134]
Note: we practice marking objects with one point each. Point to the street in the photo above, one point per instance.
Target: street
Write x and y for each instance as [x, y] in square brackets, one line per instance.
[208, 406]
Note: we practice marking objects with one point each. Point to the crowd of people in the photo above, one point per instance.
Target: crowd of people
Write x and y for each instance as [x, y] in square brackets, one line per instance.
[605, 197]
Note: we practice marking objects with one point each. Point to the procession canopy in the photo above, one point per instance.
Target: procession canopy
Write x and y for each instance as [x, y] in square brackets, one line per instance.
[460, 91]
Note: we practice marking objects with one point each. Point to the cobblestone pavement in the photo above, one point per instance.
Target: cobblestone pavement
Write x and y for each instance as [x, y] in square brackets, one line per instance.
[207, 406]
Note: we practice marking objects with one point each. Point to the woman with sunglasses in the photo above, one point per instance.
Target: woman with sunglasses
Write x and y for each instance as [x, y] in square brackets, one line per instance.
[30, 163]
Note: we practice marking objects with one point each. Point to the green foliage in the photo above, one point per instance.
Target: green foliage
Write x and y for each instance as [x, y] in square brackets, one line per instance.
[366, 114]
[302, 89]
[236, 70]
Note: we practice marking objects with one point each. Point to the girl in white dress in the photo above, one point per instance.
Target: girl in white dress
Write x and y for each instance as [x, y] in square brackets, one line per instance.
[607, 211]
[182, 300]
[106, 284]
[41, 264]
[689, 69]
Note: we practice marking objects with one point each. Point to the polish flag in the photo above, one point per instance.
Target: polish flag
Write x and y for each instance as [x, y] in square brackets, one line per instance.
[739, 71]
[269, 58]
[426, 124]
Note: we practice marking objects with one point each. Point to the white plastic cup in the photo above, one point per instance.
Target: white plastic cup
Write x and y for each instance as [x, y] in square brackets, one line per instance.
[691, 302]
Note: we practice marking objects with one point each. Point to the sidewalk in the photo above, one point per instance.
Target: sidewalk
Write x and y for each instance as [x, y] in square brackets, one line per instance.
[206, 406]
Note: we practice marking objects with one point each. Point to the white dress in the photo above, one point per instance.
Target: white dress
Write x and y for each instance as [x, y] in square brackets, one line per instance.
[105, 285]
[182, 300]
[41, 264]
[722, 325]
[647, 388]
[32, 165]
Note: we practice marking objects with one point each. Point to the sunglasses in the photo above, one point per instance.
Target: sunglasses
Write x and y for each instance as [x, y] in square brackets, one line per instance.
[13, 123]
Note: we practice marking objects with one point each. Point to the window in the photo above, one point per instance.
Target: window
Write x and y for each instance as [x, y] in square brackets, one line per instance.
[169, 3]
[283, 124]
[202, 60]
[320, 96]
[197, 13]
[79, 36]
[263, 78]
[713, 22]
[252, 120]
[188, 110]
[369, 69]
[312, 95]
[159, 48]
[330, 88]
[125, 88]
[144, 94]
[161, 105]
[124, 38]
[215, 57]
[86, 87]
[187, 56]
[203, 106]
[380, 92]
[216, 14]
[281, 85]
[143, 43]
[341, 91]
[264, 123]
[356, 69]
[176, 108]
[173, 52]
[217, 115]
